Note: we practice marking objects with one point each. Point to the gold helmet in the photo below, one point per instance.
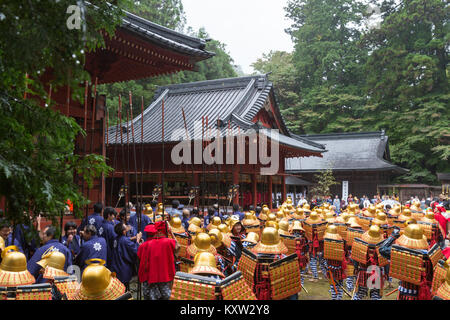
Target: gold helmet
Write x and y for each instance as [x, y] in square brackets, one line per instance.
[215, 222]
[271, 217]
[98, 283]
[353, 223]
[332, 233]
[314, 218]
[429, 217]
[395, 211]
[413, 237]
[270, 242]
[264, 213]
[176, 226]
[148, 211]
[13, 269]
[224, 228]
[272, 224]
[405, 215]
[252, 237]
[289, 200]
[373, 235]
[329, 217]
[283, 228]
[218, 238]
[306, 207]
[297, 226]
[249, 220]
[195, 225]
[202, 243]
[381, 219]
[298, 214]
[380, 206]
[205, 263]
[371, 211]
[53, 263]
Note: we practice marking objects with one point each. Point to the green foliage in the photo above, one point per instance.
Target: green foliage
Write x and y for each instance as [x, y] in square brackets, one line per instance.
[37, 162]
[344, 78]
[168, 13]
[325, 180]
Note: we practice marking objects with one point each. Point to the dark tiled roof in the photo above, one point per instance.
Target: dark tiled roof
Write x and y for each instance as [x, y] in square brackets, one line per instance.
[233, 100]
[166, 37]
[366, 151]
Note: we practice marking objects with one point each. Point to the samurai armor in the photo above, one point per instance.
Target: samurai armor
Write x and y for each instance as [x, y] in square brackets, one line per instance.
[186, 265]
[247, 265]
[255, 228]
[193, 287]
[290, 243]
[444, 291]
[407, 291]
[235, 287]
[342, 229]
[406, 264]
[335, 267]
[334, 250]
[184, 241]
[438, 276]
[382, 261]
[359, 251]
[284, 277]
[364, 222]
[320, 228]
[67, 285]
[435, 254]
[34, 292]
[398, 223]
[430, 230]
[352, 234]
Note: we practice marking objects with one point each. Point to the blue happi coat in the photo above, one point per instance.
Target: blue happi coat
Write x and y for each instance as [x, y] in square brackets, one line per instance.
[34, 268]
[74, 246]
[107, 232]
[144, 222]
[95, 219]
[95, 247]
[123, 258]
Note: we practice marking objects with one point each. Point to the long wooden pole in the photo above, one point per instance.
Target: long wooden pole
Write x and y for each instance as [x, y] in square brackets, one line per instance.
[162, 155]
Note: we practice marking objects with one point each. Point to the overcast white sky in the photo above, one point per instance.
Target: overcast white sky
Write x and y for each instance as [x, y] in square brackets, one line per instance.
[249, 28]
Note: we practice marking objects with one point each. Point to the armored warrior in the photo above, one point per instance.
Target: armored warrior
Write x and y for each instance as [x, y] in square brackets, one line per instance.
[369, 263]
[315, 243]
[334, 255]
[301, 247]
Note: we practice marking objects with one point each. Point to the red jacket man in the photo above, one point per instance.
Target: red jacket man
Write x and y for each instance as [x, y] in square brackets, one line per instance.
[157, 262]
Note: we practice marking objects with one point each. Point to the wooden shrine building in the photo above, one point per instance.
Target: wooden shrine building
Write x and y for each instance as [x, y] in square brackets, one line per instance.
[225, 107]
[138, 49]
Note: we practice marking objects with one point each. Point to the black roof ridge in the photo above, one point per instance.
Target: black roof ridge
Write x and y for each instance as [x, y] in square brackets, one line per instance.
[306, 140]
[337, 135]
[195, 42]
[212, 83]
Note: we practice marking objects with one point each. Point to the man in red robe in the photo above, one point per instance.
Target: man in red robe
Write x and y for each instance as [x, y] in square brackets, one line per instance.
[157, 262]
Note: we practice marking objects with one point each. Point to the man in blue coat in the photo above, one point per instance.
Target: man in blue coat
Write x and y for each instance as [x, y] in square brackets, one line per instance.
[6, 234]
[48, 238]
[124, 255]
[107, 230]
[93, 247]
[70, 239]
[94, 219]
[144, 221]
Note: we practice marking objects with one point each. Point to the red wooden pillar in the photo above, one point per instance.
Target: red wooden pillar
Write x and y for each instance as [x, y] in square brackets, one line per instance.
[254, 189]
[236, 181]
[269, 181]
[283, 189]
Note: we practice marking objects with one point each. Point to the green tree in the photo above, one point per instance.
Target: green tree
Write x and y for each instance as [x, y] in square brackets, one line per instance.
[37, 162]
[408, 85]
[168, 13]
[325, 180]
